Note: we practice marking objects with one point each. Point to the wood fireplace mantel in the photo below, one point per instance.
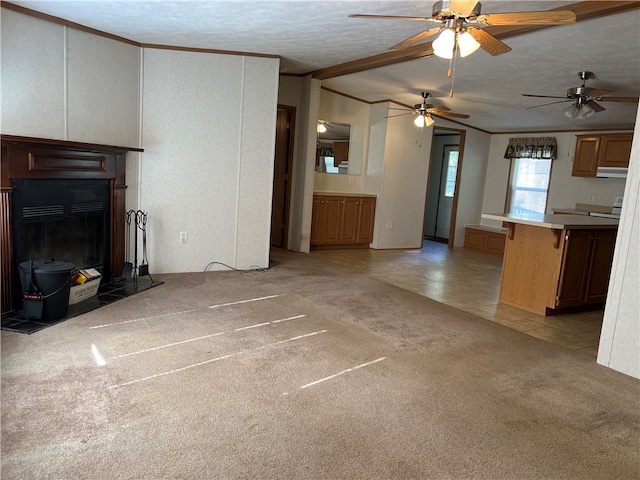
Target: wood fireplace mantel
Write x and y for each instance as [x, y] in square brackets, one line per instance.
[38, 158]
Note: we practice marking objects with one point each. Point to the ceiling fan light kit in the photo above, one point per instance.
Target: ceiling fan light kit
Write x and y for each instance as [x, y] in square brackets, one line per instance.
[424, 119]
[467, 44]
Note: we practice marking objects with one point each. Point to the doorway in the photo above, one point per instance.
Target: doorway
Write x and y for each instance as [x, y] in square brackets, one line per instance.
[442, 185]
[283, 162]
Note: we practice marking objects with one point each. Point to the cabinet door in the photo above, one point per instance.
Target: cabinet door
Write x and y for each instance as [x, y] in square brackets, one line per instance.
[495, 242]
[366, 219]
[600, 267]
[317, 212]
[331, 219]
[350, 214]
[473, 239]
[585, 160]
[615, 150]
[340, 152]
[575, 267]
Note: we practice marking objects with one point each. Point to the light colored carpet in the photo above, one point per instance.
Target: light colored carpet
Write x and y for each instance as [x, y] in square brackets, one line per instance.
[305, 371]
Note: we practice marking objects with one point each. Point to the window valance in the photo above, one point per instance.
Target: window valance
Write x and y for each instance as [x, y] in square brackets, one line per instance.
[532, 147]
[324, 149]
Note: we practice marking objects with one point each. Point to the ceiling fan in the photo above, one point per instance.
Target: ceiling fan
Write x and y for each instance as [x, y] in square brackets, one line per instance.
[462, 26]
[426, 112]
[584, 99]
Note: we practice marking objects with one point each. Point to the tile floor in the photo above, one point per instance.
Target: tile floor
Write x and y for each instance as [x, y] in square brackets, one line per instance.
[469, 280]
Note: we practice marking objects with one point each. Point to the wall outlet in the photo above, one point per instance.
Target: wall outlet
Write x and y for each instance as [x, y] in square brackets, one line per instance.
[183, 237]
[389, 225]
[592, 198]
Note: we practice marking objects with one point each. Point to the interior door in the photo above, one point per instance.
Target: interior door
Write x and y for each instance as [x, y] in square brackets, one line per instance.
[447, 190]
[281, 176]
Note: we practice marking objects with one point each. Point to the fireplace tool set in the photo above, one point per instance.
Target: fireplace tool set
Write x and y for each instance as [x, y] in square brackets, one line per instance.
[133, 270]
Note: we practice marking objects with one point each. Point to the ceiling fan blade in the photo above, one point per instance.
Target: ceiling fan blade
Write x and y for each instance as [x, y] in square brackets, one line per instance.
[401, 114]
[393, 17]
[437, 109]
[462, 7]
[562, 17]
[488, 42]
[597, 92]
[450, 114]
[551, 103]
[619, 99]
[416, 38]
[596, 106]
[540, 96]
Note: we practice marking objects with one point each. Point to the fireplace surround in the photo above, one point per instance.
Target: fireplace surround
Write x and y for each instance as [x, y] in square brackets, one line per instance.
[87, 185]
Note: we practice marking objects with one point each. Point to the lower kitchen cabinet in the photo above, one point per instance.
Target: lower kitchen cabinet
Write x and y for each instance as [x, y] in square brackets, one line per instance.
[342, 220]
[586, 267]
[485, 239]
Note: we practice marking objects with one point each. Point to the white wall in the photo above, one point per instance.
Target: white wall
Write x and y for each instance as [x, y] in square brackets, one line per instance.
[207, 168]
[474, 152]
[564, 190]
[206, 122]
[620, 337]
[65, 84]
[405, 168]
[341, 109]
[304, 158]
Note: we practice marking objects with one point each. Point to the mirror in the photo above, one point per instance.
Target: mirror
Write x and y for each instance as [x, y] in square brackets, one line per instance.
[338, 150]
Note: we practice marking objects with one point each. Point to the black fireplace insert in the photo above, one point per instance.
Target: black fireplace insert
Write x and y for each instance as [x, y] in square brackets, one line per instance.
[66, 220]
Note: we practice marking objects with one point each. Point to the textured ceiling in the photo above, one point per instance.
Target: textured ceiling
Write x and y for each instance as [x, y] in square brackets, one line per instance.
[309, 35]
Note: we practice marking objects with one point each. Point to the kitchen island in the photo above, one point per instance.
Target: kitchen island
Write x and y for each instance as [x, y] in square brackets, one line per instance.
[555, 262]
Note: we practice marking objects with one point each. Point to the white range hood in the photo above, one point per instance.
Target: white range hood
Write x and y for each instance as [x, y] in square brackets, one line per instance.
[611, 172]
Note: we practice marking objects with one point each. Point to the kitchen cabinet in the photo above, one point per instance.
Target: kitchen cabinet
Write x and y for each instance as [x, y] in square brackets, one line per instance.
[555, 262]
[593, 151]
[340, 153]
[586, 266]
[342, 220]
[485, 239]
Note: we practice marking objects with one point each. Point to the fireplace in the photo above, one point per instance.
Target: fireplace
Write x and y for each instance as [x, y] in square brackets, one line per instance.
[62, 200]
[65, 220]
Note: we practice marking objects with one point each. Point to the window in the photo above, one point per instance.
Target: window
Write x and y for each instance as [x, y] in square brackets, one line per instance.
[452, 169]
[529, 185]
[329, 165]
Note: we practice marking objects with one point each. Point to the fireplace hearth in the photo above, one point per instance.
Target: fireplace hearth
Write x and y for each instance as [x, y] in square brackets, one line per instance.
[62, 200]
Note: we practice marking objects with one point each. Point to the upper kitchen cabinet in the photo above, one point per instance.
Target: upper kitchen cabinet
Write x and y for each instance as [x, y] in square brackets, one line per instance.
[593, 151]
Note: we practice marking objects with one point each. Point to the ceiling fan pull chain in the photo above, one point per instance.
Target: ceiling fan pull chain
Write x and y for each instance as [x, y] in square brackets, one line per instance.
[452, 65]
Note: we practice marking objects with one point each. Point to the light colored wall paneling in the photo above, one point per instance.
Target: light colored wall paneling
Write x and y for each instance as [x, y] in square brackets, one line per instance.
[33, 76]
[302, 186]
[103, 90]
[257, 146]
[472, 179]
[191, 168]
[404, 184]
[620, 337]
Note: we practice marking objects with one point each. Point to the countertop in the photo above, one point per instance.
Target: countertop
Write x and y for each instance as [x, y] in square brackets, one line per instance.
[343, 194]
[554, 221]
